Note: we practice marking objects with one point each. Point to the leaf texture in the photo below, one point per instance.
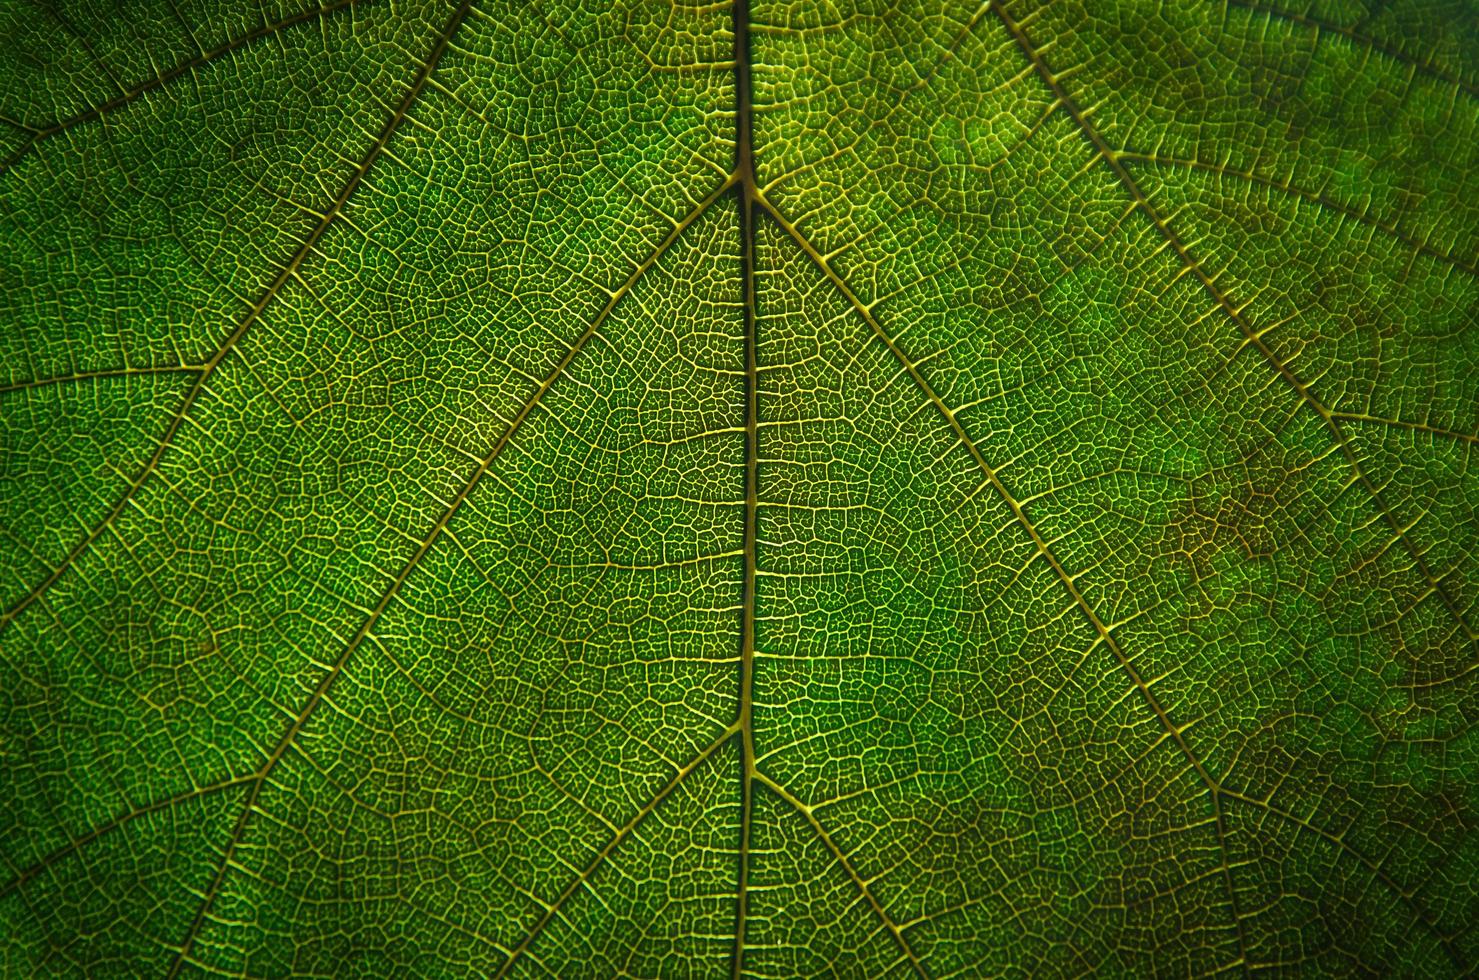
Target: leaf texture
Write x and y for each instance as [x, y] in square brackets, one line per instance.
[756, 489]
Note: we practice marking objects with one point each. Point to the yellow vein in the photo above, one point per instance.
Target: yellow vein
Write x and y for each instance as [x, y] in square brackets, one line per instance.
[1432, 430]
[1253, 337]
[39, 133]
[1038, 541]
[626, 830]
[102, 375]
[259, 779]
[288, 271]
[862, 886]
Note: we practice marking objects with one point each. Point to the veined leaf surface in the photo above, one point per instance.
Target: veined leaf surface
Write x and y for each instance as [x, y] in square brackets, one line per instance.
[675, 489]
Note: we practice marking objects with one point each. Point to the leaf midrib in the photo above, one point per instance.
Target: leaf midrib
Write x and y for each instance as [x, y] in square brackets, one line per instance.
[745, 192]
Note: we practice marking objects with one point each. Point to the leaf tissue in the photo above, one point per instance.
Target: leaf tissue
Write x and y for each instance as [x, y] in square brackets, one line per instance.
[673, 488]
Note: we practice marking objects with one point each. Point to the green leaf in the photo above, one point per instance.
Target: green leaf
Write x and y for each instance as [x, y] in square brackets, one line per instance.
[660, 490]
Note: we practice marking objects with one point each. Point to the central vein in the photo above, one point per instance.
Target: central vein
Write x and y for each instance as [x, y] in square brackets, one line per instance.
[745, 196]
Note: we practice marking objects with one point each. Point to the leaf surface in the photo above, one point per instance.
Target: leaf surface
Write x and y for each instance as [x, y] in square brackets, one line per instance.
[759, 489]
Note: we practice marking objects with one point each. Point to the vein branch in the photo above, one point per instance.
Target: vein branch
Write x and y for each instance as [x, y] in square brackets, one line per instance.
[25, 875]
[622, 834]
[109, 373]
[127, 95]
[1406, 895]
[288, 271]
[816, 825]
[1039, 543]
[1322, 26]
[1251, 336]
[439, 48]
[756, 198]
[1432, 430]
[1320, 198]
[442, 522]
